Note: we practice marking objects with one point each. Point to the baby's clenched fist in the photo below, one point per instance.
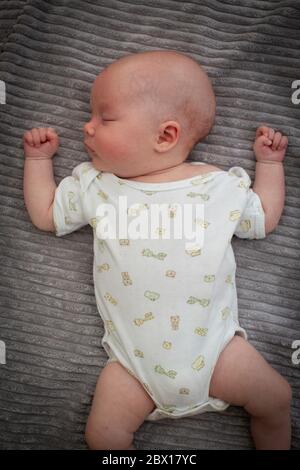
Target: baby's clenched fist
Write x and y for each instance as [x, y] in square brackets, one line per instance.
[269, 146]
[42, 142]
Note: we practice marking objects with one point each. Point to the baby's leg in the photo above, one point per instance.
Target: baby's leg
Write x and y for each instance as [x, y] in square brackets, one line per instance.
[242, 377]
[120, 406]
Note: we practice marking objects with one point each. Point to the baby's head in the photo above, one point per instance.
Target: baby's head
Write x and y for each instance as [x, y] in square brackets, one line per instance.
[148, 111]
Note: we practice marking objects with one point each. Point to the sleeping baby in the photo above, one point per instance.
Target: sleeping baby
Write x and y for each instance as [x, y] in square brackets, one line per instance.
[169, 306]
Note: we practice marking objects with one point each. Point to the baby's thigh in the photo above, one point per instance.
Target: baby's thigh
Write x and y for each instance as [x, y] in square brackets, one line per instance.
[242, 377]
[120, 403]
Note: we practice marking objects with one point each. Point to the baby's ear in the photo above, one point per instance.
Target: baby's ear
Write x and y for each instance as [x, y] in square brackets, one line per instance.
[167, 136]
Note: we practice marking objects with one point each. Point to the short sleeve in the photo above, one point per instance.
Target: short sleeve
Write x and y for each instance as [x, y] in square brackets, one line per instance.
[69, 212]
[252, 220]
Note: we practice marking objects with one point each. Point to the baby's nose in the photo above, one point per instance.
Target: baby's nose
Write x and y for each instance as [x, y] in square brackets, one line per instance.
[88, 129]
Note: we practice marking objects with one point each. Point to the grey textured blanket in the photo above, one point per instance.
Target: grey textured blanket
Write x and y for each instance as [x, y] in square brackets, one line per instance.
[49, 326]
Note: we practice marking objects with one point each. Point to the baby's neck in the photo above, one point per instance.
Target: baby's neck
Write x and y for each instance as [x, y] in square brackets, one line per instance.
[173, 173]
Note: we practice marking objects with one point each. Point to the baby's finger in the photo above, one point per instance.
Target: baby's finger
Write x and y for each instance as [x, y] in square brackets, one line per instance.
[276, 140]
[51, 133]
[36, 137]
[263, 140]
[27, 137]
[283, 143]
[262, 130]
[43, 131]
[271, 133]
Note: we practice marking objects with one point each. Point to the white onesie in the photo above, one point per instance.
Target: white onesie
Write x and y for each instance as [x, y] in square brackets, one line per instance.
[168, 311]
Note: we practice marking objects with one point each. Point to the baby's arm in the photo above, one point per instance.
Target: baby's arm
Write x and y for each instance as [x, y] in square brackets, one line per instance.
[39, 185]
[269, 148]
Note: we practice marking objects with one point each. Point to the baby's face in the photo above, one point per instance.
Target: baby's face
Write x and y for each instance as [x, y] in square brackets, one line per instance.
[147, 111]
[119, 131]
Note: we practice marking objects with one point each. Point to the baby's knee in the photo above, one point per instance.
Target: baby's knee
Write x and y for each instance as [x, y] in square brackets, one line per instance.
[284, 396]
[279, 398]
[106, 438]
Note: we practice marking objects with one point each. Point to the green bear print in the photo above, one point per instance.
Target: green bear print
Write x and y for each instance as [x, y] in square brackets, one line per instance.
[209, 278]
[201, 331]
[148, 193]
[168, 408]
[169, 373]
[204, 197]
[140, 321]
[225, 312]
[184, 391]
[150, 253]
[229, 279]
[193, 251]
[68, 221]
[72, 205]
[194, 300]
[151, 295]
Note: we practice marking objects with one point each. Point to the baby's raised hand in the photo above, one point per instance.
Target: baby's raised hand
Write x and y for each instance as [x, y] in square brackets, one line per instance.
[40, 143]
[269, 146]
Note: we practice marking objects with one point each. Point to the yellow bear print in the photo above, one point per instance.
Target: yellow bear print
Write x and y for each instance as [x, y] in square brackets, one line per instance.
[198, 363]
[243, 185]
[110, 326]
[245, 225]
[140, 321]
[170, 273]
[103, 267]
[202, 223]
[110, 298]
[103, 195]
[138, 353]
[234, 215]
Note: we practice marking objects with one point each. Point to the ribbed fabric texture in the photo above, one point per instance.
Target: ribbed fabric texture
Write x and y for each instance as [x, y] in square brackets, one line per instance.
[51, 52]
